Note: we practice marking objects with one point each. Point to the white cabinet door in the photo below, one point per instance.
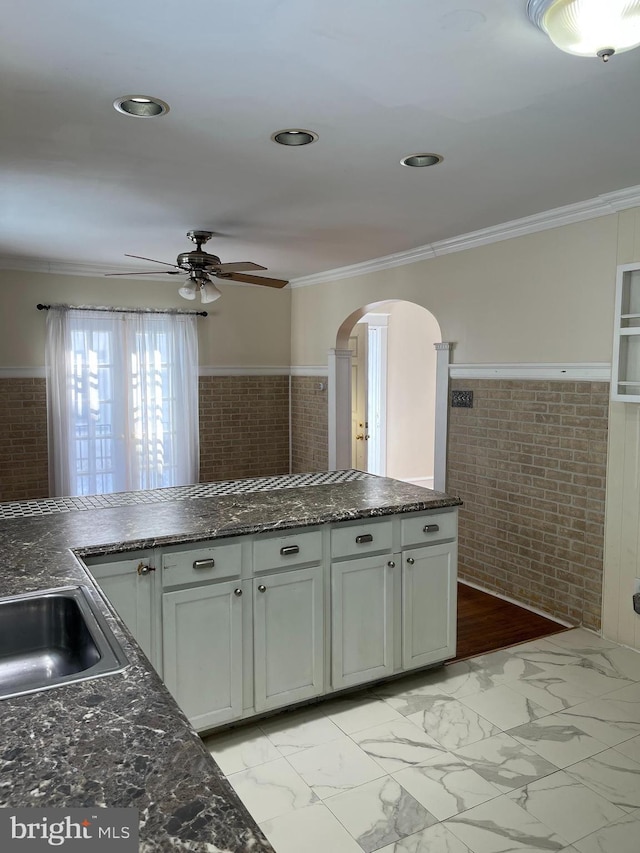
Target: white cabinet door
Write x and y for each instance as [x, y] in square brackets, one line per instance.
[288, 638]
[202, 640]
[133, 596]
[429, 595]
[362, 620]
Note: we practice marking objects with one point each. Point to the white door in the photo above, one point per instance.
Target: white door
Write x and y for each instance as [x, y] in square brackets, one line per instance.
[288, 639]
[362, 620]
[202, 633]
[429, 597]
[359, 384]
[132, 594]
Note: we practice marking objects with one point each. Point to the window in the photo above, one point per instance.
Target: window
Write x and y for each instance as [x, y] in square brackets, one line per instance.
[122, 398]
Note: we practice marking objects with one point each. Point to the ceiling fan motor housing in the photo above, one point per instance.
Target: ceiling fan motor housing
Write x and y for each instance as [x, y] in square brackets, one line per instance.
[197, 260]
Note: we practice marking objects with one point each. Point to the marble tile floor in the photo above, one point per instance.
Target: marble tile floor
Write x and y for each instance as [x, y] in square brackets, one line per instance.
[534, 748]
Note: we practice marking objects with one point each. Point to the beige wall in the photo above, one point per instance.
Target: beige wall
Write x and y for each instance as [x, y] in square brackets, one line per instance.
[247, 326]
[411, 372]
[545, 297]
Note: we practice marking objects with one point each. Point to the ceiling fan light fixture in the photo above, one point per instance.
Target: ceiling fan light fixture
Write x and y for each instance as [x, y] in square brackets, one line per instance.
[188, 290]
[294, 137]
[588, 27]
[209, 292]
[421, 160]
[141, 106]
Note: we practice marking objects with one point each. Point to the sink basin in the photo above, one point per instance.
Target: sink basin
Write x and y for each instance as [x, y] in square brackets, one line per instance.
[51, 638]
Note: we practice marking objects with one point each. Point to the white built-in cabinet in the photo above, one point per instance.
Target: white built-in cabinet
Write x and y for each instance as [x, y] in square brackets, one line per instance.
[625, 368]
[130, 586]
[202, 642]
[244, 625]
[288, 637]
[361, 620]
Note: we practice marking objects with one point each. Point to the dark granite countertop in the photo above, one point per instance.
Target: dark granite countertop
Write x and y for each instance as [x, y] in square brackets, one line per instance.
[121, 740]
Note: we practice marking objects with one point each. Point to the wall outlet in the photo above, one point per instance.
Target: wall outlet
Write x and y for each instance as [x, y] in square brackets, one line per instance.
[636, 595]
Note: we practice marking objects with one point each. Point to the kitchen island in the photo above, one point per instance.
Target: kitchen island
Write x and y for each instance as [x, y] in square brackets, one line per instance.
[121, 740]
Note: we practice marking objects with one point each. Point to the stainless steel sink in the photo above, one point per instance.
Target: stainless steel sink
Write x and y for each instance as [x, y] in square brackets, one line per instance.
[52, 638]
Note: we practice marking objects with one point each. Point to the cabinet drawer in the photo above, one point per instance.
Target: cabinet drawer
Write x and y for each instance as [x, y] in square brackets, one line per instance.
[425, 529]
[279, 552]
[199, 565]
[354, 540]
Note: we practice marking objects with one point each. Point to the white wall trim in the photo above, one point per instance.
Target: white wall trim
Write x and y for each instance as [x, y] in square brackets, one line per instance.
[595, 372]
[587, 371]
[309, 370]
[249, 370]
[339, 409]
[602, 205]
[23, 373]
[441, 414]
[424, 482]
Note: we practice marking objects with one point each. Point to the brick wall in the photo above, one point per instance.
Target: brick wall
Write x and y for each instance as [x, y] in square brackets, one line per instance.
[529, 461]
[24, 470]
[244, 431]
[244, 426]
[309, 424]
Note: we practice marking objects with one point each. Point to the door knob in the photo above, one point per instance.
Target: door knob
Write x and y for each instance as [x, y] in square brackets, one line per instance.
[410, 560]
[262, 588]
[237, 591]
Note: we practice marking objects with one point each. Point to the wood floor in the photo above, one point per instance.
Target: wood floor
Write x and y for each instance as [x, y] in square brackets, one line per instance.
[487, 623]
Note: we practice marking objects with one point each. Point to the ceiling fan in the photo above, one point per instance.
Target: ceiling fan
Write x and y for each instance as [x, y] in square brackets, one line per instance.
[200, 265]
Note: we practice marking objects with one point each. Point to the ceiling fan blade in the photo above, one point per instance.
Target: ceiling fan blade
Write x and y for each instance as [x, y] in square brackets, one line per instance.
[254, 279]
[147, 272]
[240, 266]
[153, 260]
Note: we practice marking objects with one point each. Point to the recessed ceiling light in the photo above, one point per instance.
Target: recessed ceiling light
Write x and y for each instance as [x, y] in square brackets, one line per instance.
[294, 136]
[141, 106]
[422, 160]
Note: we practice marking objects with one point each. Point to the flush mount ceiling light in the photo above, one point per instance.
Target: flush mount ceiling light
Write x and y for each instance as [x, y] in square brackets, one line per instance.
[208, 291]
[589, 27]
[141, 106]
[420, 160]
[294, 136]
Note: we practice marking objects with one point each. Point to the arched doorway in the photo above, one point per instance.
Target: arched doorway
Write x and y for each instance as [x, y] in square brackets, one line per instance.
[410, 388]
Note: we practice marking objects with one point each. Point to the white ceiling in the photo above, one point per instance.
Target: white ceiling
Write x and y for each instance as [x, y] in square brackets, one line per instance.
[522, 126]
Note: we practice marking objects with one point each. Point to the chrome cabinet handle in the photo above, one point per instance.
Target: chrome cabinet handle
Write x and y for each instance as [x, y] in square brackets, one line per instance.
[144, 570]
[237, 592]
[391, 564]
[204, 564]
[431, 528]
[364, 537]
[289, 549]
[410, 560]
[262, 588]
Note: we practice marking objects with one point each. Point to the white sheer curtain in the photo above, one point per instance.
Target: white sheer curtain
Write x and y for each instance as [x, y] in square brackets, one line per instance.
[122, 400]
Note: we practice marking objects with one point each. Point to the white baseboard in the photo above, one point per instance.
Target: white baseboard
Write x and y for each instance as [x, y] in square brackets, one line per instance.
[425, 482]
[518, 603]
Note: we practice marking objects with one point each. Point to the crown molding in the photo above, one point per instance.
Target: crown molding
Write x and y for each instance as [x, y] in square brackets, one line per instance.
[602, 205]
[580, 372]
[13, 262]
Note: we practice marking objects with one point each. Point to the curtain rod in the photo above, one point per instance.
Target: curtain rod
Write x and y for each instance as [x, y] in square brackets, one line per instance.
[42, 307]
